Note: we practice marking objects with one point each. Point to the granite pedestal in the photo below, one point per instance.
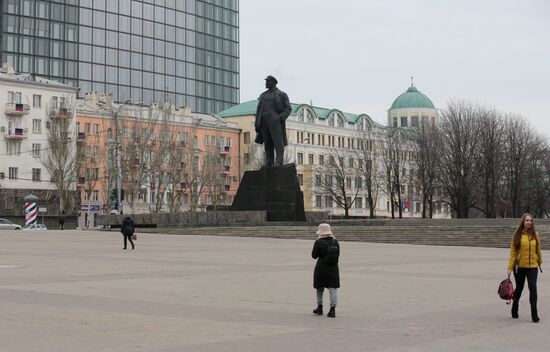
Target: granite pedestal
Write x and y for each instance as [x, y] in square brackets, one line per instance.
[275, 190]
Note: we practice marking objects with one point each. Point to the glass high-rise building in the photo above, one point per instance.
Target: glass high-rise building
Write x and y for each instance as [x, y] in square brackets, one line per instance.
[182, 51]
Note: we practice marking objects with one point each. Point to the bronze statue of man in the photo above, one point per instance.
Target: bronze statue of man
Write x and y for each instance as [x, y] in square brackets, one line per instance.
[270, 123]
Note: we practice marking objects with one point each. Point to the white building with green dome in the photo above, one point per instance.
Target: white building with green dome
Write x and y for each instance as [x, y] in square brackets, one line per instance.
[410, 109]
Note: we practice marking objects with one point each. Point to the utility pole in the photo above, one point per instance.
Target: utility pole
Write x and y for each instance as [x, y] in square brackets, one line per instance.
[118, 168]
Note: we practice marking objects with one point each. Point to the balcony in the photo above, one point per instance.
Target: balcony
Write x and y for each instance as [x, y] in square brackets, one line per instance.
[226, 169]
[81, 137]
[16, 133]
[61, 113]
[225, 150]
[81, 182]
[17, 109]
[227, 188]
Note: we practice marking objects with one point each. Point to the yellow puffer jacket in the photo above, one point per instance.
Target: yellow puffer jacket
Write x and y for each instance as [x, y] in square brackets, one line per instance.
[528, 255]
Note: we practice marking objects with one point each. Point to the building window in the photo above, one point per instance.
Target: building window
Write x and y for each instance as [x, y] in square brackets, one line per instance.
[358, 202]
[13, 148]
[310, 159]
[37, 126]
[318, 180]
[36, 150]
[321, 160]
[404, 121]
[328, 202]
[395, 121]
[350, 162]
[86, 195]
[348, 182]
[246, 137]
[414, 121]
[37, 101]
[358, 183]
[300, 158]
[96, 128]
[318, 201]
[96, 195]
[13, 173]
[301, 179]
[246, 158]
[36, 174]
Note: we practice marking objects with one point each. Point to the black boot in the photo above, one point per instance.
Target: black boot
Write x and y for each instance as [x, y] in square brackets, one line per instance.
[515, 314]
[319, 310]
[332, 312]
[534, 316]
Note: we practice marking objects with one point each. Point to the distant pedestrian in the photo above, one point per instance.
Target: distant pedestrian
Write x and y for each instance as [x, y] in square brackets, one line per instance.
[525, 260]
[326, 250]
[127, 230]
[61, 219]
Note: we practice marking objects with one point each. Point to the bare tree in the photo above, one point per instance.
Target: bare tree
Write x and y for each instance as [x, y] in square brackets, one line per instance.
[427, 145]
[336, 180]
[460, 175]
[366, 154]
[63, 156]
[536, 184]
[395, 151]
[160, 153]
[90, 170]
[519, 137]
[137, 133]
[491, 135]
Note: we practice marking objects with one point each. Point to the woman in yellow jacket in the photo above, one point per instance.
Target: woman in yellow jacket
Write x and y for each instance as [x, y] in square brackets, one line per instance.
[525, 259]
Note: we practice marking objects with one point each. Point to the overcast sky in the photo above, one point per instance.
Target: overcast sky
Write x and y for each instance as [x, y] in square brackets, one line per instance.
[359, 55]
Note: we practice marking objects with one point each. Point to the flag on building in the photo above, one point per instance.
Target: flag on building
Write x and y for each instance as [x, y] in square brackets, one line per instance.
[18, 107]
[18, 131]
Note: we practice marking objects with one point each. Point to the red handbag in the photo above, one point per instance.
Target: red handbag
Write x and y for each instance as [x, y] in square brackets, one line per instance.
[134, 237]
[506, 290]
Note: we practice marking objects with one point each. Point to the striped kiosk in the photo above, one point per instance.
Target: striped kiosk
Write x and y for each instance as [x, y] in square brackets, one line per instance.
[31, 210]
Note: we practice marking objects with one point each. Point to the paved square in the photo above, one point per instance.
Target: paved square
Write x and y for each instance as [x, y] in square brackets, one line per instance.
[79, 291]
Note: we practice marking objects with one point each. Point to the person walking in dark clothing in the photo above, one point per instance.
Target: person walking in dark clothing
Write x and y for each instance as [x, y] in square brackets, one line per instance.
[326, 250]
[127, 230]
[61, 219]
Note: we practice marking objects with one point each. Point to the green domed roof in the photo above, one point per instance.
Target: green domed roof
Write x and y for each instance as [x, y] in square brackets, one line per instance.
[412, 98]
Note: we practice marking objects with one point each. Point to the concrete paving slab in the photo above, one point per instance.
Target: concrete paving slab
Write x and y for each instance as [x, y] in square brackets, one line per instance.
[79, 291]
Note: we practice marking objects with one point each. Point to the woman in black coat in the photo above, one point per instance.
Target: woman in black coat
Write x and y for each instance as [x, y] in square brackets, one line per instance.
[127, 230]
[326, 250]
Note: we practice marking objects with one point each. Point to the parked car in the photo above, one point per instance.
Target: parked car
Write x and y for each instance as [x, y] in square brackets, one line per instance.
[5, 224]
[34, 227]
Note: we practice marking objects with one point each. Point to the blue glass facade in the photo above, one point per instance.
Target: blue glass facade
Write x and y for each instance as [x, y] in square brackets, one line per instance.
[182, 51]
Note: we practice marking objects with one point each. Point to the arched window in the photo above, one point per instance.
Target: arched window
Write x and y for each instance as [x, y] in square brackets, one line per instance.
[331, 120]
[310, 117]
[301, 115]
[364, 125]
[340, 120]
[306, 115]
